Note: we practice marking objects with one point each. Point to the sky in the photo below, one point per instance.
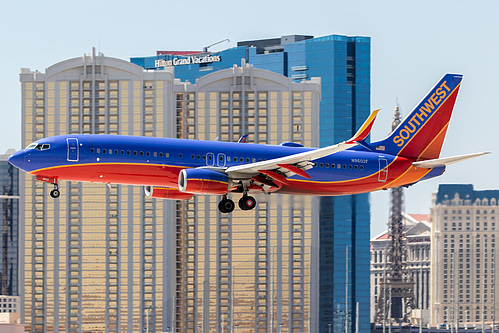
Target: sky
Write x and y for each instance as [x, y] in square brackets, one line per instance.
[413, 44]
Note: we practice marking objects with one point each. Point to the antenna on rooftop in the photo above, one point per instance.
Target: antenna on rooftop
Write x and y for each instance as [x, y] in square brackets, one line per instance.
[205, 49]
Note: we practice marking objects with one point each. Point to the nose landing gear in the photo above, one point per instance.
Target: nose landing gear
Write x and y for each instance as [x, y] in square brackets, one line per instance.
[55, 193]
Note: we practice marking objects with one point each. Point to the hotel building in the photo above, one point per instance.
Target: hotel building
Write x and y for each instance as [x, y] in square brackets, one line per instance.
[343, 65]
[417, 242]
[464, 256]
[108, 258]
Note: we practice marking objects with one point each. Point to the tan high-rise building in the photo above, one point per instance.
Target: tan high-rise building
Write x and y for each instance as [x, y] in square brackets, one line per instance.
[464, 256]
[107, 258]
[249, 269]
[97, 258]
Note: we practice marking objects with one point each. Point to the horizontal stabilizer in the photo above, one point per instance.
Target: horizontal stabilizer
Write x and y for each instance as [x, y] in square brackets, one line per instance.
[441, 162]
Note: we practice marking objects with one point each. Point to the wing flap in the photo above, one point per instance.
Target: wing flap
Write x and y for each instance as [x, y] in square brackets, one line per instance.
[299, 158]
[441, 162]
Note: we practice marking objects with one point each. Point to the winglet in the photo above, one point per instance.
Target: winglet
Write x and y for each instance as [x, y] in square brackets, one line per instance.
[243, 138]
[365, 129]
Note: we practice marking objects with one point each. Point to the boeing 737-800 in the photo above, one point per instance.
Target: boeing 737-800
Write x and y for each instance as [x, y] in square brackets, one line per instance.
[179, 168]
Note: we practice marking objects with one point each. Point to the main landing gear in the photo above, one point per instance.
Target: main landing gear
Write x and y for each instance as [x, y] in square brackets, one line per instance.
[226, 205]
[247, 202]
[55, 193]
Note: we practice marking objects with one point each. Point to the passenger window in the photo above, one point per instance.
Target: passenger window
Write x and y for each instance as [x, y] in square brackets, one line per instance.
[128, 152]
[192, 156]
[241, 159]
[141, 153]
[322, 165]
[180, 156]
[247, 159]
[253, 159]
[122, 152]
[98, 150]
[210, 157]
[344, 166]
[350, 167]
[356, 167]
[228, 158]
[155, 154]
[327, 165]
[148, 154]
[116, 152]
[91, 150]
[110, 151]
[104, 151]
[361, 167]
[160, 154]
[134, 153]
[333, 165]
[198, 157]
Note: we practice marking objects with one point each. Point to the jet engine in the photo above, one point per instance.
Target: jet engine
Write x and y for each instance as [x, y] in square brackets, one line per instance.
[203, 181]
[166, 193]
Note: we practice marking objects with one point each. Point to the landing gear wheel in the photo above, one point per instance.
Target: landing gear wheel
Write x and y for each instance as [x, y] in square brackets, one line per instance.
[226, 206]
[55, 193]
[247, 202]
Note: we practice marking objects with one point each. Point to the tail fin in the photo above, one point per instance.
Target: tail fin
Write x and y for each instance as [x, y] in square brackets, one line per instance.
[421, 134]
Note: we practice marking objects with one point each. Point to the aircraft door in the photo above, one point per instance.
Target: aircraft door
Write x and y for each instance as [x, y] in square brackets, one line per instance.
[221, 160]
[383, 169]
[73, 149]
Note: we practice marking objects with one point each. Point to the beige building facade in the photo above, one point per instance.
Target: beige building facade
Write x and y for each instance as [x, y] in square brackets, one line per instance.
[108, 258]
[248, 269]
[464, 256]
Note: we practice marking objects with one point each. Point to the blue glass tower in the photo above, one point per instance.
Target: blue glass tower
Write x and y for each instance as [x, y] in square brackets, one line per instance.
[9, 222]
[343, 64]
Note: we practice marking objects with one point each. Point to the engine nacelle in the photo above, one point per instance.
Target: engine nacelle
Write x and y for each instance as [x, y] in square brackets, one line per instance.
[166, 193]
[203, 181]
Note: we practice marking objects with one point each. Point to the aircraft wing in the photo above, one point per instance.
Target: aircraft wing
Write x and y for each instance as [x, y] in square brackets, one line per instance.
[297, 163]
[441, 162]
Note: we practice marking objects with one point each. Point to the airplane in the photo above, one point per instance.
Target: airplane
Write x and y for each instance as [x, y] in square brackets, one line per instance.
[178, 168]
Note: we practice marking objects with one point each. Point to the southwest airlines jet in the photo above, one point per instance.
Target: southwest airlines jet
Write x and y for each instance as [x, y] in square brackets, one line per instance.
[179, 168]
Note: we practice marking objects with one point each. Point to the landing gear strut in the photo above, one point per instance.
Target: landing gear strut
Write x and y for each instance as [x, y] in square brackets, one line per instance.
[55, 193]
[226, 205]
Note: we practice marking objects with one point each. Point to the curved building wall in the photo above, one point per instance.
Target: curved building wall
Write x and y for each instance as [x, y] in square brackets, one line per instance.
[106, 258]
[250, 269]
[89, 259]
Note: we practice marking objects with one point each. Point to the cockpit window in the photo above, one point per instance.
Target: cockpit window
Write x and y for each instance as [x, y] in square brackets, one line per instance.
[39, 146]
